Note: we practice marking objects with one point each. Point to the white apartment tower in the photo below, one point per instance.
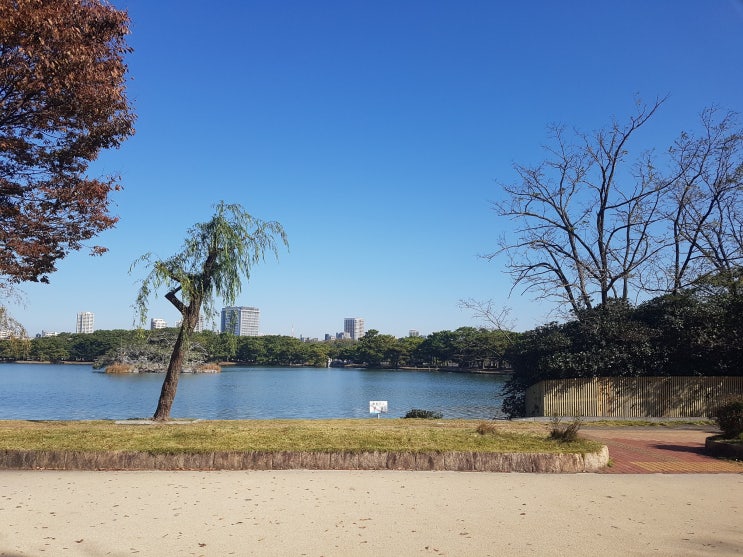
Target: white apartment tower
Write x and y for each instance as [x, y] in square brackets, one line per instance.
[85, 321]
[354, 326]
[157, 323]
[242, 321]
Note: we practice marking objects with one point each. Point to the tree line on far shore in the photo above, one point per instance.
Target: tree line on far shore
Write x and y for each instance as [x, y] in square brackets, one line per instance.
[465, 348]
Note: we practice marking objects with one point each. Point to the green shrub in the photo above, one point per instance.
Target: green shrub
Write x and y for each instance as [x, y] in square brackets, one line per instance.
[729, 416]
[425, 414]
[565, 432]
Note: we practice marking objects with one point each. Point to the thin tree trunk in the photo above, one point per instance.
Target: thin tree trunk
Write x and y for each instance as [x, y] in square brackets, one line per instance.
[170, 384]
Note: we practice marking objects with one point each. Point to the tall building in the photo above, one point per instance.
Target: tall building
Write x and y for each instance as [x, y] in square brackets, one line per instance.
[85, 322]
[241, 321]
[157, 323]
[354, 326]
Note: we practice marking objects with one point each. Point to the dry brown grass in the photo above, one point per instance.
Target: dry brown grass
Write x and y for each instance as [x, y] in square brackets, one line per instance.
[119, 368]
[209, 367]
[401, 435]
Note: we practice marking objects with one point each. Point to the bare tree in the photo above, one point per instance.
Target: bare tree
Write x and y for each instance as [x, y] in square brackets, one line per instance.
[707, 212]
[496, 318]
[9, 326]
[585, 217]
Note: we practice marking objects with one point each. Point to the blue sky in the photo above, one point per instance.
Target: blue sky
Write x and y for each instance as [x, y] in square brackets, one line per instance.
[377, 133]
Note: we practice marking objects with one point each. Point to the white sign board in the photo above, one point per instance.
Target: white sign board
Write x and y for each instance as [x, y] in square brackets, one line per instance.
[377, 407]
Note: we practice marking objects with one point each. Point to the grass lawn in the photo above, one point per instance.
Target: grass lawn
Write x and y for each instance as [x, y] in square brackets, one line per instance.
[387, 435]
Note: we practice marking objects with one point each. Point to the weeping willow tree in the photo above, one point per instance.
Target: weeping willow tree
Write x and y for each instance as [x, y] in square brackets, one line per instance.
[212, 264]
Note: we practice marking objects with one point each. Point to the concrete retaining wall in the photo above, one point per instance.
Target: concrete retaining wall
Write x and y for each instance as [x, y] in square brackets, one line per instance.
[630, 397]
[454, 461]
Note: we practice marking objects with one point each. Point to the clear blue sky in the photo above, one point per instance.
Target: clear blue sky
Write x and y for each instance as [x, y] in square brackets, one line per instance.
[377, 134]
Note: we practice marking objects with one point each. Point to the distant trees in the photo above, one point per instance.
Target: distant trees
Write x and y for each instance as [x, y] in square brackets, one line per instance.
[466, 348]
[62, 100]
[593, 224]
[373, 348]
[68, 347]
[216, 257]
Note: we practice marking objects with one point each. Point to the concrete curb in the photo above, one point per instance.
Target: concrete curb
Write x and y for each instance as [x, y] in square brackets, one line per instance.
[286, 460]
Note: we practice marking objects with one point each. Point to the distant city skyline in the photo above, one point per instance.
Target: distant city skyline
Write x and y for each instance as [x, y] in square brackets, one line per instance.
[241, 320]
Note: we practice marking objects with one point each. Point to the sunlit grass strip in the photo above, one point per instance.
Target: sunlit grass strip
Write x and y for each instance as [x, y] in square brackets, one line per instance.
[416, 436]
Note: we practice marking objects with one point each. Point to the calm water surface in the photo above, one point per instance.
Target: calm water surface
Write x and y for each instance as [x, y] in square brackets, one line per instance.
[76, 392]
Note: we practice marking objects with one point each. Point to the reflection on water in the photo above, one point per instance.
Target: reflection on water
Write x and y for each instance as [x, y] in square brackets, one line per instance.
[76, 392]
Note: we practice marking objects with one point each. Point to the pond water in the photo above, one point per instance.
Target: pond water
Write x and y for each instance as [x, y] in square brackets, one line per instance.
[77, 392]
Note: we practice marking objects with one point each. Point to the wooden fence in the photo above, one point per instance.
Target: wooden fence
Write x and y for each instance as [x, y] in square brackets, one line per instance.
[630, 397]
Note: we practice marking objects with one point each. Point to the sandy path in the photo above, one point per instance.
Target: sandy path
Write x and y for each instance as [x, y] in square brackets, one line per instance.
[331, 513]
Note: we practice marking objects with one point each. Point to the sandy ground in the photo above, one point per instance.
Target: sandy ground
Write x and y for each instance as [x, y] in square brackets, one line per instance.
[349, 513]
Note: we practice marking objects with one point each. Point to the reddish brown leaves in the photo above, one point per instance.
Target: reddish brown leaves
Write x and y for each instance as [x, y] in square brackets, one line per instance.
[62, 100]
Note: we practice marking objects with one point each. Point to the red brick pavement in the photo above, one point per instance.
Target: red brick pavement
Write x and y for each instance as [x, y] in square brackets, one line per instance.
[660, 450]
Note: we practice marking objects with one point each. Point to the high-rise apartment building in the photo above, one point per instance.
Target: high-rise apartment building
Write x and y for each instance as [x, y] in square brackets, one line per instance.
[85, 321]
[242, 321]
[157, 323]
[354, 326]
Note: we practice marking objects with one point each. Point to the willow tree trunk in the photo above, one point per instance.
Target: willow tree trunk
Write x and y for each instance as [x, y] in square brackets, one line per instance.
[170, 384]
[190, 315]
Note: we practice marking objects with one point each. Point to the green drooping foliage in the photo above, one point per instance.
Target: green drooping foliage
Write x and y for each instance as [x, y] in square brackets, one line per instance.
[217, 257]
[691, 333]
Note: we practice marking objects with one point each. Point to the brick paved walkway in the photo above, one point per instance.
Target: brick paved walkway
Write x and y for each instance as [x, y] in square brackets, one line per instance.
[659, 450]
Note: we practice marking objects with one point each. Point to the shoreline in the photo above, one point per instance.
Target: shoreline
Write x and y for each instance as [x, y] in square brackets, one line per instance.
[65, 363]
[503, 372]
